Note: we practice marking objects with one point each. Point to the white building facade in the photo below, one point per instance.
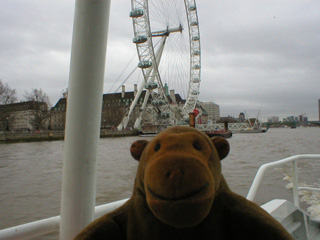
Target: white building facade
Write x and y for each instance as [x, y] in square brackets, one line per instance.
[212, 109]
[19, 117]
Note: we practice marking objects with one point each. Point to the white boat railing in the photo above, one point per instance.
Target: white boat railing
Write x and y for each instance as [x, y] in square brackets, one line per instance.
[293, 160]
[49, 225]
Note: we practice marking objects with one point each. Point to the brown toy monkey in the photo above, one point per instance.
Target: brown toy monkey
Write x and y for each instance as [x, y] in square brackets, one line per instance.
[180, 193]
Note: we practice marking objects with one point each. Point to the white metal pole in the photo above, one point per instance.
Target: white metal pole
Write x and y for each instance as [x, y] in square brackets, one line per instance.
[85, 90]
[295, 187]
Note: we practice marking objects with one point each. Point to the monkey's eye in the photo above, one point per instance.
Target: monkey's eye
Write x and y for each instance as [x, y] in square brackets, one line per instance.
[197, 146]
[157, 147]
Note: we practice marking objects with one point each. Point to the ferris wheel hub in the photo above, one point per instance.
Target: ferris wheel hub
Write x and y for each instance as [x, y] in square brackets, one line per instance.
[167, 31]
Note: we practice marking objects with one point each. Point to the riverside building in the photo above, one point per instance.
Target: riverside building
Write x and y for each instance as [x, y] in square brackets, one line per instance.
[212, 109]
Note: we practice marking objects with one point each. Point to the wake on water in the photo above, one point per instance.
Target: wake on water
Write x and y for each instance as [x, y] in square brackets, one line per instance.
[311, 198]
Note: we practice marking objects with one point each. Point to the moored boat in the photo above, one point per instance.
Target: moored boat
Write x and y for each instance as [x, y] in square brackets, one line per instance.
[220, 133]
[254, 130]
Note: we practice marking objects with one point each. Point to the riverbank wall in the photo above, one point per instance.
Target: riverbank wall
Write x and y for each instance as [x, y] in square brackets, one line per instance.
[9, 137]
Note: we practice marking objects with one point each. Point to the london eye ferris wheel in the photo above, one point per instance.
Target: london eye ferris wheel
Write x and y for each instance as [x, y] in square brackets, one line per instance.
[167, 38]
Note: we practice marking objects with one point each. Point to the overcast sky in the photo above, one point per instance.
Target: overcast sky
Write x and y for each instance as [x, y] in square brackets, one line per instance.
[256, 54]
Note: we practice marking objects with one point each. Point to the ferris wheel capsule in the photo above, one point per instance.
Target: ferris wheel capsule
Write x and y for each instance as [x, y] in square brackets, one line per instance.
[197, 66]
[151, 86]
[158, 102]
[164, 115]
[196, 80]
[135, 13]
[140, 39]
[192, 8]
[196, 53]
[195, 38]
[145, 64]
[194, 23]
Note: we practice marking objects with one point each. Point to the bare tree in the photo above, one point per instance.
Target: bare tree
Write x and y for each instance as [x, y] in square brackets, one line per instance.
[37, 95]
[5, 118]
[41, 107]
[7, 95]
[112, 116]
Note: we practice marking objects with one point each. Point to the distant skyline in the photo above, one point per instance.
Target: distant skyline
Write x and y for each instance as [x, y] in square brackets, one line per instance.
[256, 55]
[265, 118]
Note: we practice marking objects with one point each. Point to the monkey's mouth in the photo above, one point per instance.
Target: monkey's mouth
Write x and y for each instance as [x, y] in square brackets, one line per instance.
[183, 197]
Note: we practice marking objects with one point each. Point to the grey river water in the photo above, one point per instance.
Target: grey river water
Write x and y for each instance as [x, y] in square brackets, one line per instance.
[30, 173]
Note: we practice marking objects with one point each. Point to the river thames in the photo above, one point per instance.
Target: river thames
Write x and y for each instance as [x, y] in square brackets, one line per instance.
[30, 173]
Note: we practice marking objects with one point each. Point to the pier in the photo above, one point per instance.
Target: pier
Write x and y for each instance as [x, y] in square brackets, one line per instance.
[8, 137]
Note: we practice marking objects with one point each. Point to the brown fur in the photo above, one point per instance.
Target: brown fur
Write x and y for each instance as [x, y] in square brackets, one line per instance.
[180, 193]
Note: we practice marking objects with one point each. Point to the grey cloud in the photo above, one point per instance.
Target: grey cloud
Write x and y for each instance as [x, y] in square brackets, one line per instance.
[255, 54]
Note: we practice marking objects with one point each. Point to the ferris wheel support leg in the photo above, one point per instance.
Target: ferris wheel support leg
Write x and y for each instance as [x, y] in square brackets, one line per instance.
[123, 123]
[145, 101]
[125, 120]
[137, 124]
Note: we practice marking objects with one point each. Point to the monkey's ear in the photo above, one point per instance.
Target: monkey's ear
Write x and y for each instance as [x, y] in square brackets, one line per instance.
[222, 146]
[137, 148]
